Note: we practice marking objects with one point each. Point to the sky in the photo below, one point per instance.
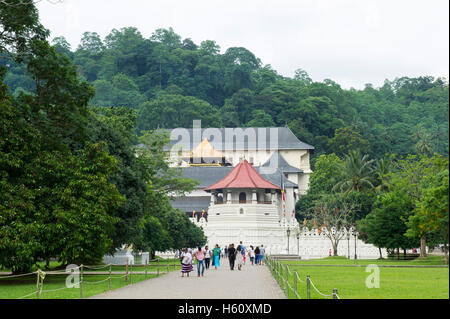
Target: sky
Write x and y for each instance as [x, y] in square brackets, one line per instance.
[352, 42]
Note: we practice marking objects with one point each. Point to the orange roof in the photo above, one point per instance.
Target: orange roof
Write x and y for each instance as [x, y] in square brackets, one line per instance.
[243, 175]
[205, 149]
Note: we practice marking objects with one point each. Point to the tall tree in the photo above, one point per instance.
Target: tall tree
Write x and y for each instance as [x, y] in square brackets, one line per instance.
[333, 216]
[356, 173]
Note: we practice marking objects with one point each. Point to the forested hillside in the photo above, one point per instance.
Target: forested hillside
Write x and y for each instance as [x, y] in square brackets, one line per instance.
[171, 81]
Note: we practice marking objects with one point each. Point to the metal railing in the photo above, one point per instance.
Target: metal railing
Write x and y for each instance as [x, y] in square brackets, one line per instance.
[276, 268]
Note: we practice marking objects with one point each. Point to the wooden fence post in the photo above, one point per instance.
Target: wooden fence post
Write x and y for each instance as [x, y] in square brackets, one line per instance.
[81, 281]
[277, 267]
[308, 288]
[146, 261]
[38, 284]
[335, 293]
[287, 281]
[295, 284]
[157, 266]
[131, 273]
[281, 275]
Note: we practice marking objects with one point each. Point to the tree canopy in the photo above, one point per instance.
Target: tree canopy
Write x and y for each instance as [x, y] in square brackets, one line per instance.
[170, 80]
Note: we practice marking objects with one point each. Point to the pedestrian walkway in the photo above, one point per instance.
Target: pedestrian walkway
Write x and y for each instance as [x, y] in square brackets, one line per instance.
[252, 282]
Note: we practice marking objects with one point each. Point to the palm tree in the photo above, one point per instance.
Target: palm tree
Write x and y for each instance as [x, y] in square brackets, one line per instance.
[357, 173]
[380, 171]
[423, 138]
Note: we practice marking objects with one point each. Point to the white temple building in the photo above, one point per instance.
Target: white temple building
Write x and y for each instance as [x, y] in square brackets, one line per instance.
[243, 175]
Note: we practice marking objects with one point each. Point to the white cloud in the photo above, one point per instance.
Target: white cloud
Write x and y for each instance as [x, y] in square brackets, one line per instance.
[352, 42]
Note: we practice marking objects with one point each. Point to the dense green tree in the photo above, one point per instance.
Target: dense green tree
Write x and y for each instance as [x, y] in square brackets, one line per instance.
[169, 38]
[432, 212]
[385, 226]
[260, 119]
[346, 139]
[326, 173]
[62, 46]
[174, 110]
[91, 43]
[375, 120]
[59, 105]
[114, 126]
[19, 25]
[155, 236]
[302, 76]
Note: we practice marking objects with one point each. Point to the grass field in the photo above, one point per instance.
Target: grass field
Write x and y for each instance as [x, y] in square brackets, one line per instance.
[430, 260]
[395, 283]
[55, 285]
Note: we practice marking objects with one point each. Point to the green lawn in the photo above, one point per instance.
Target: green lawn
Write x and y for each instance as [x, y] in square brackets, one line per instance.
[430, 260]
[12, 288]
[395, 283]
[15, 288]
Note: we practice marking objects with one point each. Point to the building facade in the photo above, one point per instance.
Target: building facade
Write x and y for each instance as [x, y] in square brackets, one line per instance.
[250, 180]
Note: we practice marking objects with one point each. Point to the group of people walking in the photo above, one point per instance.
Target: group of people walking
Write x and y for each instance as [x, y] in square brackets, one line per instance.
[205, 256]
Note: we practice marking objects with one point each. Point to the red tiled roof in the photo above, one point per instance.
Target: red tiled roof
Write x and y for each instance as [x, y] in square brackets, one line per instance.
[242, 176]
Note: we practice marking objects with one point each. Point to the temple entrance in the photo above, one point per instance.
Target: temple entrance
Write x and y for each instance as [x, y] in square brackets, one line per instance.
[242, 197]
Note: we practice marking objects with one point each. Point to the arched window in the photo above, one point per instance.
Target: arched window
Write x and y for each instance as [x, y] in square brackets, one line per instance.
[242, 197]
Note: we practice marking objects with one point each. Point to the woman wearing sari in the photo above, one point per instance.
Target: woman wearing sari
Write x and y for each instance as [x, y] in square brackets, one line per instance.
[186, 262]
[216, 256]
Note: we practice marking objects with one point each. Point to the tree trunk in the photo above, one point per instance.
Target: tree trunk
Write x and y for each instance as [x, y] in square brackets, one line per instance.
[335, 249]
[423, 247]
[381, 255]
[398, 253]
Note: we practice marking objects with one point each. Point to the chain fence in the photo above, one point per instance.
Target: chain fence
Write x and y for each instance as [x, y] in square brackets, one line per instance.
[282, 278]
[128, 275]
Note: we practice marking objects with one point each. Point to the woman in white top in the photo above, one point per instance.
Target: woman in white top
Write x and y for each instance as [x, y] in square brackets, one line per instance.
[207, 256]
[251, 254]
[186, 262]
[239, 257]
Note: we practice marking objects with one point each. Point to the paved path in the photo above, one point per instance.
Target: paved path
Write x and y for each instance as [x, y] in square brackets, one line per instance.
[252, 282]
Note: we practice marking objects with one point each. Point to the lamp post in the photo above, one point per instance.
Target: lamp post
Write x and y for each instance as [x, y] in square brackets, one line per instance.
[298, 243]
[288, 231]
[355, 245]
